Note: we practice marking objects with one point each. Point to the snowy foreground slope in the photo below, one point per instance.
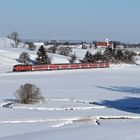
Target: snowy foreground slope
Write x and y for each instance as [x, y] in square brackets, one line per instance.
[98, 104]
[113, 94]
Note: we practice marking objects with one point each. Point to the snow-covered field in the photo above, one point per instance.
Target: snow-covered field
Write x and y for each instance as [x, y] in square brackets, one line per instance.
[98, 104]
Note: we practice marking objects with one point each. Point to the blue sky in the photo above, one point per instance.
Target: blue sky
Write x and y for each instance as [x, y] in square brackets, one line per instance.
[71, 19]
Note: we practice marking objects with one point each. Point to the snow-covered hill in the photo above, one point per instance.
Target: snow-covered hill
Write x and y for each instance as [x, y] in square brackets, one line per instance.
[5, 42]
[96, 104]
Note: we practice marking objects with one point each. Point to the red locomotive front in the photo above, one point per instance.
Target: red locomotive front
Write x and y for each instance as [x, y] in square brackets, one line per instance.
[22, 68]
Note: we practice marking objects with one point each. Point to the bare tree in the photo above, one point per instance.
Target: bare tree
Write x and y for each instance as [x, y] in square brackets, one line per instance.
[15, 37]
[24, 57]
[28, 94]
[52, 49]
[64, 51]
[31, 46]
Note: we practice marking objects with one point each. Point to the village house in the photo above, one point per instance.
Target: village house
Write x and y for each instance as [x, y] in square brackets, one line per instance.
[104, 44]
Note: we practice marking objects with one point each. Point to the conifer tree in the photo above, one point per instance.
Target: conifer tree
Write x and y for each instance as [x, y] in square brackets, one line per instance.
[42, 56]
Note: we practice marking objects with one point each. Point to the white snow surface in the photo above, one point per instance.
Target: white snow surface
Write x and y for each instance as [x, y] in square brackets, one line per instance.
[95, 104]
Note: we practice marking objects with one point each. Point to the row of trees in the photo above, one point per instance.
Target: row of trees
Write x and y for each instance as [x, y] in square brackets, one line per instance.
[112, 55]
[66, 51]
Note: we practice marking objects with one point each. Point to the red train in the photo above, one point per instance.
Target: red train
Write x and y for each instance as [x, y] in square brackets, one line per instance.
[60, 66]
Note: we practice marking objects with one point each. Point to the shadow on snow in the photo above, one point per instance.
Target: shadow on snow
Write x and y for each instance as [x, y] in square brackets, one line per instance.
[129, 104]
[122, 89]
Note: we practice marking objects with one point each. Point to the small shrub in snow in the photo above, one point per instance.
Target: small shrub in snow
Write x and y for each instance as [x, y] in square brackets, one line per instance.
[24, 57]
[28, 94]
[72, 59]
